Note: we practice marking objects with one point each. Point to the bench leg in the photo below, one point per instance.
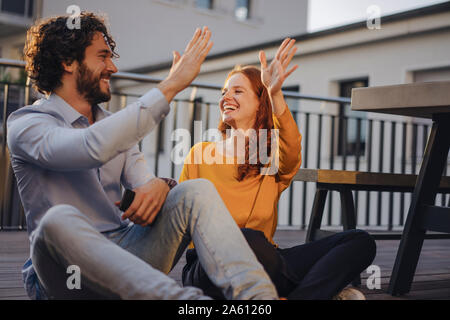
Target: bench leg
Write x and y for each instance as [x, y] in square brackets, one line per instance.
[316, 214]
[349, 219]
[348, 210]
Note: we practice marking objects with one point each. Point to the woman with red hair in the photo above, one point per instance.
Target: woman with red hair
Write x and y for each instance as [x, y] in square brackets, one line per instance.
[250, 167]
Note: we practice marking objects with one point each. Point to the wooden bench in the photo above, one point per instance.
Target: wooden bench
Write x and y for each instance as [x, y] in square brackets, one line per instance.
[345, 182]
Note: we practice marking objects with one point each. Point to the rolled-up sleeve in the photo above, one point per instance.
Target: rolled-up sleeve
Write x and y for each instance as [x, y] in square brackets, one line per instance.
[44, 140]
[290, 147]
[135, 172]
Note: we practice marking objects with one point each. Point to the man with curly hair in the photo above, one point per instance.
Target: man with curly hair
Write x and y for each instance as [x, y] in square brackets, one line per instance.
[70, 157]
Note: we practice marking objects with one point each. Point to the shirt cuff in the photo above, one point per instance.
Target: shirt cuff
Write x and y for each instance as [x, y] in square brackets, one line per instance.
[157, 104]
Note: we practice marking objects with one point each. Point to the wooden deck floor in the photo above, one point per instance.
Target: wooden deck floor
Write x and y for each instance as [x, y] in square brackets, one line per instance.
[432, 280]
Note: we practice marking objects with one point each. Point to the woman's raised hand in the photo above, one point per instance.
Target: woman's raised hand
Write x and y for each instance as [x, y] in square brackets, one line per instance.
[273, 76]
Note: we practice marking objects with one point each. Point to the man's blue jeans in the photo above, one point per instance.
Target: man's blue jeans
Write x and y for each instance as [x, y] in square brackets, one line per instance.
[133, 262]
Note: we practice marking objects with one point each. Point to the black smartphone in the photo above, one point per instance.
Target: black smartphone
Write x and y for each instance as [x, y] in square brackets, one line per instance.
[127, 199]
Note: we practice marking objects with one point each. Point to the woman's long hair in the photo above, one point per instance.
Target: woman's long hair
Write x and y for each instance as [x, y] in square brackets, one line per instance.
[263, 120]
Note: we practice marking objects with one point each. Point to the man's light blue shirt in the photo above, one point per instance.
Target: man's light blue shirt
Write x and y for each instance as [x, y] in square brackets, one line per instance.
[58, 158]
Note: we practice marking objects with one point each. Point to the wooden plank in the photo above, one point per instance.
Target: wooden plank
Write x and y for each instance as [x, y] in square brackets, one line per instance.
[11, 283]
[362, 178]
[431, 281]
[415, 294]
[415, 99]
[307, 175]
[418, 278]
[12, 292]
[16, 298]
[365, 180]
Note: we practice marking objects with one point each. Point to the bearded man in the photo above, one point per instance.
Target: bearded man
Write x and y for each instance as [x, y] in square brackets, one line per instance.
[70, 157]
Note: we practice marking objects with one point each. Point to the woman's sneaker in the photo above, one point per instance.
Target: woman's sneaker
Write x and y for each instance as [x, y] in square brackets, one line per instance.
[349, 294]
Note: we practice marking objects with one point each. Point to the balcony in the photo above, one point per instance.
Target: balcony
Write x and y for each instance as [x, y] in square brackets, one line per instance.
[329, 142]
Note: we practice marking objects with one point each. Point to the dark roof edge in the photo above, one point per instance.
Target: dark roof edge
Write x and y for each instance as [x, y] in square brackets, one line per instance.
[434, 9]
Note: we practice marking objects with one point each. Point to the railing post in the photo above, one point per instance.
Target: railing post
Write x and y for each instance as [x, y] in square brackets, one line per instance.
[305, 165]
[174, 125]
[332, 152]
[192, 107]
[403, 171]
[5, 114]
[291, 187]
[380, 169]
[4, 161]
[391, 170]
[369, 168]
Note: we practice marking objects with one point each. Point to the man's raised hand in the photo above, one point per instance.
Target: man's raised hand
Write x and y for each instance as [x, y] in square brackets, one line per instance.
[186, 67]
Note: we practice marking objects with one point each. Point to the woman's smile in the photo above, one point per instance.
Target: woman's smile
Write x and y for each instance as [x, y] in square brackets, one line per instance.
[228, 108]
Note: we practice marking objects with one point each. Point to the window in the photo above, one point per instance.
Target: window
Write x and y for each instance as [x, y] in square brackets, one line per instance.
[204, 4]
[19, 7]
[30, 8]
[349, 125]
[429, 75]
[242, 10]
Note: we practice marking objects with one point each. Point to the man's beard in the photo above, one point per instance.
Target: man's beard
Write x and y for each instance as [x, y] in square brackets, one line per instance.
[88, 85]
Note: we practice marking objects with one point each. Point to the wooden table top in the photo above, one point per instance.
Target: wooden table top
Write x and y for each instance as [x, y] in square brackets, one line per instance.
[416, 99]
[362, 178]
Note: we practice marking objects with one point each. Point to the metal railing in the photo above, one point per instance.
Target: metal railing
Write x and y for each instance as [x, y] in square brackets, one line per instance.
[330, 141]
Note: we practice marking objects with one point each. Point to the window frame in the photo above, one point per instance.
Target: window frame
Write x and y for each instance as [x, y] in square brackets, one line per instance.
[210, 7]
[248, 7]
[345, 88]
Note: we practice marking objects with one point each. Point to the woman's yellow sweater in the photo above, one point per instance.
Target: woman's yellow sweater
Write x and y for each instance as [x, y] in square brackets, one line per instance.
[239, 196]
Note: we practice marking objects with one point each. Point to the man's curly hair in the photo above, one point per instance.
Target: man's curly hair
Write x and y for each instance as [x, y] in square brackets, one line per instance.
[50, 43]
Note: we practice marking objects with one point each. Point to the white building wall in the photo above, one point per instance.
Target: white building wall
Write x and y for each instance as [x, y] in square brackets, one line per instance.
[147, 31]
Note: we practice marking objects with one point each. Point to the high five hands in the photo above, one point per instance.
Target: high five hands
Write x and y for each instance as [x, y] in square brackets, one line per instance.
[150, 197]
[187, 66]
[273, 76]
